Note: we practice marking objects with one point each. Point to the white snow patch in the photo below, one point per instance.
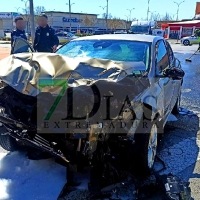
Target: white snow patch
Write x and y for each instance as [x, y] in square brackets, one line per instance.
[4, 184]
[21, 178]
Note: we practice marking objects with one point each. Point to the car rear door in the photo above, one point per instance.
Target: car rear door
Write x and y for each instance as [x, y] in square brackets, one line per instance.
[21, 46]
[166, 84]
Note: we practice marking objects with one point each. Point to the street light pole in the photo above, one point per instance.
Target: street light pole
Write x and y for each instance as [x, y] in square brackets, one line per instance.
[148, 11]
[130, 10]
[152, 13]
[127, 20]
[107, 16]
[32, 20]
[178, 4]
[70, 15]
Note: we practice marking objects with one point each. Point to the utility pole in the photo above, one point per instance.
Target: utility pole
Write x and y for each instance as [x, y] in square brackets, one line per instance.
[32, 20]
[148, 11]
[130, 10]
[178, 4]
[70, 15]
[107, 16]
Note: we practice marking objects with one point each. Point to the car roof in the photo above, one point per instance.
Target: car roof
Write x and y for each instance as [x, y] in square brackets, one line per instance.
[133, 37]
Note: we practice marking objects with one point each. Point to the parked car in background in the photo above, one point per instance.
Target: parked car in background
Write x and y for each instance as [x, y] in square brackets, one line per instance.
[101, 32]
[65, 37]
[186, 41]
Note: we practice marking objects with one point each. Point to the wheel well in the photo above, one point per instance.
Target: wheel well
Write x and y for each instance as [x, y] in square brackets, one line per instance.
[148, 111]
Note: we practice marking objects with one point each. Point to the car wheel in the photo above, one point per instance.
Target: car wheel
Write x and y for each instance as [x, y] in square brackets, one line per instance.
[7, 142]
[146, 140]
[186, 42]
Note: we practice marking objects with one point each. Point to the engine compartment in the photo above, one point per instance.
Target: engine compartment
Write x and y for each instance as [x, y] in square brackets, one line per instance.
[100, 146]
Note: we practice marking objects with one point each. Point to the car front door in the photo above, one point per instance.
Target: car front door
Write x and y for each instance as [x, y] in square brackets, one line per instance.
[21, 46]
[166, 84]
[176, 83]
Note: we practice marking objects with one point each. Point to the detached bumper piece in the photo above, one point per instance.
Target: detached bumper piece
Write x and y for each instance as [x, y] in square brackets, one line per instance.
[23, 133]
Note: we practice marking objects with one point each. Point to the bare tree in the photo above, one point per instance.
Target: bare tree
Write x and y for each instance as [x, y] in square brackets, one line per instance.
[26, 13]
[88, 20]
[128, 25]
[155, 17]
[104, 16]
[39, 10]
[115, 23]
[167, 17]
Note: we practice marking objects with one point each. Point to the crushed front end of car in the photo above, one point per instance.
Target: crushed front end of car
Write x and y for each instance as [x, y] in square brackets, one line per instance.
[79, 110]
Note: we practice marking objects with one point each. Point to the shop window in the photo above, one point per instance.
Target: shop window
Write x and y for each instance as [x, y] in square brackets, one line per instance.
[187, 31]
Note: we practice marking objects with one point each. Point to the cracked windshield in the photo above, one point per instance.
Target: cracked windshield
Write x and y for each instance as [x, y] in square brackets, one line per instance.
[99, 100]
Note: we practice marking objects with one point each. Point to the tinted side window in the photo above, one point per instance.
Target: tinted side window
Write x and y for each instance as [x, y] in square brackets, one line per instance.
[161, 57]
[170, 54]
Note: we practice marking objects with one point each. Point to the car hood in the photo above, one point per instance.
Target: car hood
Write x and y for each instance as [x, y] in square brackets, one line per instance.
[186, 38]
[23, 72]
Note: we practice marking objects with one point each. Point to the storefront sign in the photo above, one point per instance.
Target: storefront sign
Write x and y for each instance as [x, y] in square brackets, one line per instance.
[4, 15]
[75, 20]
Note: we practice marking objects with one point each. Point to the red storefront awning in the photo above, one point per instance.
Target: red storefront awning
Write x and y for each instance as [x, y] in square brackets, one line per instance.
[186, 24]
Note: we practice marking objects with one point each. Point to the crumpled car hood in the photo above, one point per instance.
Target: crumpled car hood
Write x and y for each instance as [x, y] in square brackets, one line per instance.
[23, 71]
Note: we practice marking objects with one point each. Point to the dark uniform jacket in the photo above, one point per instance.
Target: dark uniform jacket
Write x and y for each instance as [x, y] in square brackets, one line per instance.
[45, 39]
[17, 34]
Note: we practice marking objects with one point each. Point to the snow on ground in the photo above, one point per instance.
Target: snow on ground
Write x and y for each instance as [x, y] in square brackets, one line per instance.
[21, 178]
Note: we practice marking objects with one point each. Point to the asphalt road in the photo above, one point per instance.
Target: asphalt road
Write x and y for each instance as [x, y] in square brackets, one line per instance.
[180, 146]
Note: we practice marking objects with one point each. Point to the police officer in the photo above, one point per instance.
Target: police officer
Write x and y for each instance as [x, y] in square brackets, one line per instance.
[45, 36]
[19, 32]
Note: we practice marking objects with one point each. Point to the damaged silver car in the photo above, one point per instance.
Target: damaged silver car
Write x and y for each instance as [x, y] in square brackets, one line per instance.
[101, 101]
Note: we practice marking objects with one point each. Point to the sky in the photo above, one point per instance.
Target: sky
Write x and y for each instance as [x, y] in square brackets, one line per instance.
[117, 8]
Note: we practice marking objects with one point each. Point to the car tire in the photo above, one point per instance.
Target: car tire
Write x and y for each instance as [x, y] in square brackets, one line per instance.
[146, 141]
[186, 43]
[7, 142]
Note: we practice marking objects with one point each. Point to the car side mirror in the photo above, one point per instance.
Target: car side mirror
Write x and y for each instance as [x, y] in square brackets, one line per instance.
[174, 73]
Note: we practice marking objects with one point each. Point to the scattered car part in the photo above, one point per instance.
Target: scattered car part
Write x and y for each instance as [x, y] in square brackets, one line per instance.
[174, 187]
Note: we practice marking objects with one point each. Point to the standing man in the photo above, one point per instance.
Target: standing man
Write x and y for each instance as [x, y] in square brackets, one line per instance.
[46, 39]
[198, 35]
[19, 32]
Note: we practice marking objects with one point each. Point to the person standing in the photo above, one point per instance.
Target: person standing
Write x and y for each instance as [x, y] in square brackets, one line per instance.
[19, 32]
[198, 35]
[46, 39]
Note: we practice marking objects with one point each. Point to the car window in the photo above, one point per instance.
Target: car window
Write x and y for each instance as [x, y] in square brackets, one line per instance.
[170, 54]
[162, 59]
[117, 50]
